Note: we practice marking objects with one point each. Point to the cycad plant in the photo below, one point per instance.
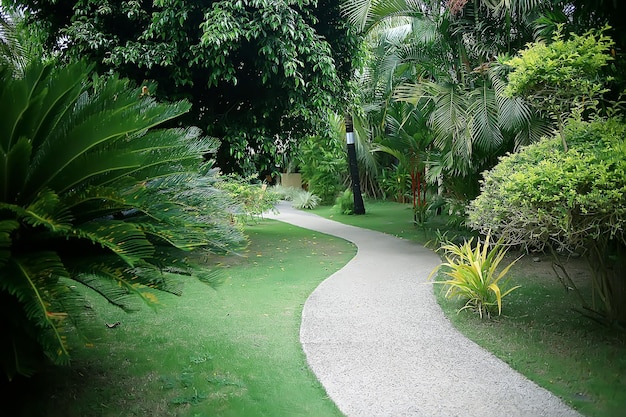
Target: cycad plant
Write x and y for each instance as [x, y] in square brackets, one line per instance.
[93, 198]
[475, 275]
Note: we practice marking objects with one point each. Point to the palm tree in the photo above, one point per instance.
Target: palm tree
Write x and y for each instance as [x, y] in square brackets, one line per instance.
[442, 60]
[406, 138]
[93, 197]
[17, 49]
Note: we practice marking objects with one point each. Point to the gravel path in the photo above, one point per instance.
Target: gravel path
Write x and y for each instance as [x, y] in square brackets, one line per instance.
[377, 340]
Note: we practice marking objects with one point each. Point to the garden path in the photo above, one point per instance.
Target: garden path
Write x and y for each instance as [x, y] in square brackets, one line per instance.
[379, 343]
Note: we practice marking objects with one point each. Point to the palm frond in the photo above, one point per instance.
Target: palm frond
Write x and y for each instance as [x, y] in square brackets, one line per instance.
[33, 281]
[6, 228]
[517, 7]
[46, 210]
[113, 281]
[14, 166]
[145, 156]
[517, 116]
[126, 240]
[411, 93]
[29, 107]
[121, 114]
[367, 14]
[15, 100]
[484, 119]
[95, 202]
[536, 129]
[17, 50]
[55, 93]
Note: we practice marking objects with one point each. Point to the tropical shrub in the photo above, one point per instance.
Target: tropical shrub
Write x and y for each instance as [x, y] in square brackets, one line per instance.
[345, 202]
[395, 184]
[474, 275]
[562, 75]
[323, 165]
[253, 198]
[285, 193]
[543, 198]
[94, 198]
[305, 200]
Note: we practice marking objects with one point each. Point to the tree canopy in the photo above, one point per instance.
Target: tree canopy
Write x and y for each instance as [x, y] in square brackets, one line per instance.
[258, 73]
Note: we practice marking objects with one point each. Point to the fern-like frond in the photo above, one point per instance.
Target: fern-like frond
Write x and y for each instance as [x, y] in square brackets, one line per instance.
[15, 101]
[7, 227]
[112, 280]
[411, 93]
[367, 14]
[449, 119]
[14, 167]
[46, 210]
[33, 281]
[95, 202]
[484, 119]
[113, 114]
[126, 240]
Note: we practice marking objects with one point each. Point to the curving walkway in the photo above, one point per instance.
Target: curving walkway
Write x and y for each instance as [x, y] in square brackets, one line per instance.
[377, 340]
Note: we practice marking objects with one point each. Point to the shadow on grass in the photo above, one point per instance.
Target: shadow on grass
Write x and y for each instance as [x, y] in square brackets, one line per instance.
[229, 351]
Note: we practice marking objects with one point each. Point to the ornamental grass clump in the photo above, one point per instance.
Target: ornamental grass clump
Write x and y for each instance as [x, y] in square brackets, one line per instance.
[305, 200]
[474, 277]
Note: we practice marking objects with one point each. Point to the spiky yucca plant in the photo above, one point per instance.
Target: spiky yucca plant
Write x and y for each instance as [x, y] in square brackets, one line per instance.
[93, 197]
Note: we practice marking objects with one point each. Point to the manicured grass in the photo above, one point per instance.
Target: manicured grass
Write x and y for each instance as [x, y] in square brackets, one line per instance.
[230, 351]
[393, 218]
[542, 336]
[540, 333]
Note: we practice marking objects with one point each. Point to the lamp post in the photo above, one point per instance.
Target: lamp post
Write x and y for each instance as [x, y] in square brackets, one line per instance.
[359, 208]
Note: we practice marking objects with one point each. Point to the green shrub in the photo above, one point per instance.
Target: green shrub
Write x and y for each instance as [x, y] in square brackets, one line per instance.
[305, 200]
[323, 165]
[395, 184]
[569, 68]
[345, 202]
[285, 193]
[474, 275]
[252, 197]
[575, 201]
[562, 77]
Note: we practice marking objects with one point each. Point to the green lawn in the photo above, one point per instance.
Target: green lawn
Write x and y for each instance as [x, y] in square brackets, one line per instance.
[234, 350]
[230, 351]
[541, 333]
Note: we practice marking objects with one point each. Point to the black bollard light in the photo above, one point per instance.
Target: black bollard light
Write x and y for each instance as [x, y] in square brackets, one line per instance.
[359, 208]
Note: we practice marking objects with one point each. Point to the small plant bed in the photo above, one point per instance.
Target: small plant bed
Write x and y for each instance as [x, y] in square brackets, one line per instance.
[543, 335]
[542, 332]
[229, 351]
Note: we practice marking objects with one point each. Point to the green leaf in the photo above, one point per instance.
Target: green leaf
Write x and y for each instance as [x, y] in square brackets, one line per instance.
[126, 240]
[7, 227]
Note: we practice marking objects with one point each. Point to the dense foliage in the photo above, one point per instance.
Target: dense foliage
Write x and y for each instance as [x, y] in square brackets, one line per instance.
[438, 59]
[323, 164]
[574, 202]
[445, 59]
[563, 75]
[259, 73]
[94, 198]
[253, 197]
